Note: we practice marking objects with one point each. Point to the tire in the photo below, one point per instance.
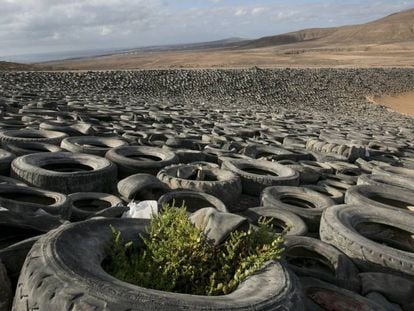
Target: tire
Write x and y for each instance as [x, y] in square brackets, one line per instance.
[141, 187]
[5, 289]
[5, 161]
[383, 181]
[23, 148]
[282, 220]
[11, 181]
[14, 255]
[127, 165]
[341, 226]
[192, 200]
[305, 203]
[22, 198]
[389, 197]
[321, 296]
[313, 258]
[63, 271]
[91, 204]
[225, 185]
[87, 173]
[398, 174]
[91, 144]
[252, 183]
[336, 195]
[26, 135]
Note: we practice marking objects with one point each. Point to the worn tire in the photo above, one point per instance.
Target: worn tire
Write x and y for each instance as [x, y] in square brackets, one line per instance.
[63, 271]
[306, 203]
[339, 226]
[90, 173]
[91, 144]
[22, 148]
[314, 258]
[226, 186]
[253, 184]
[141, 187]
[373, 196]
[282, 220]
[5, 161]
[122, 157]
[193, 200]
[26, 135]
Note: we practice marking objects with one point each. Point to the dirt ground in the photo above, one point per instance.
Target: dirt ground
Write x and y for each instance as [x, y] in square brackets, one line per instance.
[289, 55]
[402, 103]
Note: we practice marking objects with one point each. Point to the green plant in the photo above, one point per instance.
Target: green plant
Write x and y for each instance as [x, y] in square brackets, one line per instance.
[176, 256]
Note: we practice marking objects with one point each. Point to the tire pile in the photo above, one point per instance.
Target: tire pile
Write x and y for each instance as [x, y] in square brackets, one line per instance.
[77, 147]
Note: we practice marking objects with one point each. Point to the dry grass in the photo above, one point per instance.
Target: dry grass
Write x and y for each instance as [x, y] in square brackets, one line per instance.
[402, 103]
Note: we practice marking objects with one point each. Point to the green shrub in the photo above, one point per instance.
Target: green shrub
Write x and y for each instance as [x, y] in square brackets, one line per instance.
[176, 256]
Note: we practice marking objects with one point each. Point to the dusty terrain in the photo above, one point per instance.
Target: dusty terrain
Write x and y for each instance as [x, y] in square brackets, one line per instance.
[387, 42]
[402, 103]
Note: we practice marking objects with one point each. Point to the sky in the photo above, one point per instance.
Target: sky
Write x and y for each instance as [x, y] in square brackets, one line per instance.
[40, 26]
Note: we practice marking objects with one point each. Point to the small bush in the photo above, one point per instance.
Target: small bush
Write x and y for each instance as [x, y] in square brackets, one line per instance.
[176, 256]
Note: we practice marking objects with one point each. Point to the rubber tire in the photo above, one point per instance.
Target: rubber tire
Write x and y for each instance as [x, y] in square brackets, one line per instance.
[80, 144]
[227, 187]
[361, 195]
[343, 271]
[141, 187]
[51, 137]
[253, 184]
[101, 179]
[183, 194]
[283, 219]
[79, 214]
[380, 180]
[272, 197]
[6, 159]
[60, 207]
[338, 229]
[63, 271]
[5, 289]
[128, 166]
[356, 302]
[23, 148]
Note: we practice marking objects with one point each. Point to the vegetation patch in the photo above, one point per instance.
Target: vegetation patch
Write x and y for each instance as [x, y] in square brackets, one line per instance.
[176, 256]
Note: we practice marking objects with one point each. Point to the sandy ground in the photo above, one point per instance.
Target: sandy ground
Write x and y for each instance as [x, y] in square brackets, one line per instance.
[289, 55]
[402, 103]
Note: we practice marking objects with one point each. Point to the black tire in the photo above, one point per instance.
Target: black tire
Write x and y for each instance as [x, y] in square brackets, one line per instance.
[5, 161]
[381, 181]
[66, 172]
[271, 174]
[141, 187]
[91, 144]
[304, 202]
[5, 289]
[26, 135]
[20, 198]
[91, 204]
[192, 200]
[373, 196]
[314, 258]
[22, 148]
[63, 271]
[14, 255]
[320, 296]
[224, 184]
[11, 181]
[355, 229]
[336, 195]
[139, 159]
[398, 174]
[282, 220]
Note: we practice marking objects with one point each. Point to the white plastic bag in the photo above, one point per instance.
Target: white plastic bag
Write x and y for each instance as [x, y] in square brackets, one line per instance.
[143, 209]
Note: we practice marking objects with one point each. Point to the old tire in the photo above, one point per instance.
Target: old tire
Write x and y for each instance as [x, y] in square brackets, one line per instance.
[63, 271]
[66, 172]
[91, 144]
[359, 232]
[141, 187]
[256, 175]
[306, 203]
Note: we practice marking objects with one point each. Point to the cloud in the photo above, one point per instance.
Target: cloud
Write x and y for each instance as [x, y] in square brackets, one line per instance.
[28, 26]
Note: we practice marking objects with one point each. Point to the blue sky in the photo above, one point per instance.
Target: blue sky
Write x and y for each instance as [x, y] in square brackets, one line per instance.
[38, 26]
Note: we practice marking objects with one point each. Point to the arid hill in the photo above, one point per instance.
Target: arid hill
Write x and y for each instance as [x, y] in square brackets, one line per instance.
[9, 66]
